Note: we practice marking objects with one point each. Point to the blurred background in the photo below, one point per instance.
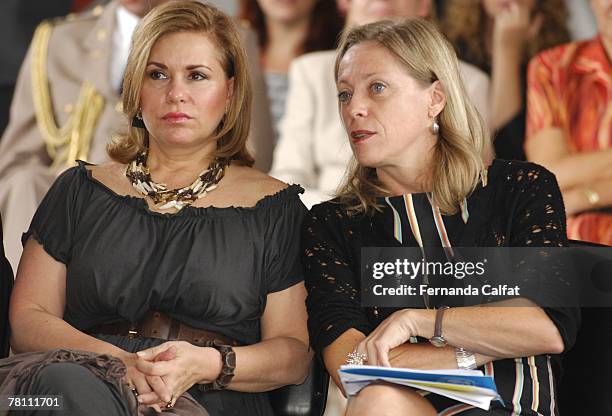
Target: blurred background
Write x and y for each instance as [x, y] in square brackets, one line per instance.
[283, 36]
[18, 19]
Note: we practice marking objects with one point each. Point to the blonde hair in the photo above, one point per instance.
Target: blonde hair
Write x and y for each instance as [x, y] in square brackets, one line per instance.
[188, 16]
[427, 57]
[464, 25]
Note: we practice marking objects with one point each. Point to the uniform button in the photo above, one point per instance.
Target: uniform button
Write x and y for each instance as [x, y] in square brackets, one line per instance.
[101, 34]
[97, 11]
[68, 108]
[119, 107]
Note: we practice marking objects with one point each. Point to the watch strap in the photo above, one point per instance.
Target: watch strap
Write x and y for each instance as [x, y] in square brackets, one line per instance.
[228, 359]
[438, 324]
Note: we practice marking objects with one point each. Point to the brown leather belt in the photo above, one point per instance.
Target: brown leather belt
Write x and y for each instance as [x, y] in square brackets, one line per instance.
[158, 325]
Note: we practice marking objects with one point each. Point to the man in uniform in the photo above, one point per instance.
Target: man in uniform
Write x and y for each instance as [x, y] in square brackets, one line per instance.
[67, 105]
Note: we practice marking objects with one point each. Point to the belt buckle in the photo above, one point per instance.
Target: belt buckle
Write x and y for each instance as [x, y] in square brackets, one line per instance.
[132, 332]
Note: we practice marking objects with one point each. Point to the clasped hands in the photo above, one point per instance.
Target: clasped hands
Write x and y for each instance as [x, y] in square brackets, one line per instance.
[159, 375]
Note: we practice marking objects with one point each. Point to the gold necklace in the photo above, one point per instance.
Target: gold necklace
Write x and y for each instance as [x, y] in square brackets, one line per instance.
[139, 175]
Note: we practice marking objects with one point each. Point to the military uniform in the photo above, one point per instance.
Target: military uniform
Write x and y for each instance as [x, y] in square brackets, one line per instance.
[65, 107]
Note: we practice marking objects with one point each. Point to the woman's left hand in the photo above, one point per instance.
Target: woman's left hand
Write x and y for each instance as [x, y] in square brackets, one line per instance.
[180, 365]
[393, 331]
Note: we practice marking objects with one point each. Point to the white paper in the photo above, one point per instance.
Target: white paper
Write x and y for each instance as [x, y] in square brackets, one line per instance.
[467, 386]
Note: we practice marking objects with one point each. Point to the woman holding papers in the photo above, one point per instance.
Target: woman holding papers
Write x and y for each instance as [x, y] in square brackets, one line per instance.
[417, 180]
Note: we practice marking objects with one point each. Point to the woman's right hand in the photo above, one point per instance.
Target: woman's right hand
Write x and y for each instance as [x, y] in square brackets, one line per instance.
[136, 379]
[514, 27]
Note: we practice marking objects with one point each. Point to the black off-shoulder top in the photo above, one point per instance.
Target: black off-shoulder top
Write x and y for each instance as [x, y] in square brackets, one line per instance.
[211, 268]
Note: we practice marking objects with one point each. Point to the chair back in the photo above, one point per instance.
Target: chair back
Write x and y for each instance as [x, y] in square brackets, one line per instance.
[586, 384]
[306, 399]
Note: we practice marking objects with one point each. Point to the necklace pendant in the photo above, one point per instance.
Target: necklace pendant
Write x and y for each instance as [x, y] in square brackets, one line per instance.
[147, 188]
[167, 205]
[211, 187]
[139, 187]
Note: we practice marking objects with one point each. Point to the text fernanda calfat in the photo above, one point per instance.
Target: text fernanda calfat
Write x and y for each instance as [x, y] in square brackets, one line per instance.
[469, 290]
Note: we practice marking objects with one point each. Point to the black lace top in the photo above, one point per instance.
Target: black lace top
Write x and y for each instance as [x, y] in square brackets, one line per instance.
[521, 206]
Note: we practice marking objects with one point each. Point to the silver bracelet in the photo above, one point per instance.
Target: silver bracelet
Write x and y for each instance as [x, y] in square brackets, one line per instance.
[466, 360]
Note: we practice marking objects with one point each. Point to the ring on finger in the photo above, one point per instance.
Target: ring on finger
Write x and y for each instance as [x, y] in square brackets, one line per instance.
[356, 358]
[170, 403]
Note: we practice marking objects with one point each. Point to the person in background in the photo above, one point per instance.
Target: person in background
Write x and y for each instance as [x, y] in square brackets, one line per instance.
[134, 262]
[500, 36]
[287, 30]
[18, 19]
[569, 126]
[581, 22]
[313, 148]
[408, 118]
[67, 105]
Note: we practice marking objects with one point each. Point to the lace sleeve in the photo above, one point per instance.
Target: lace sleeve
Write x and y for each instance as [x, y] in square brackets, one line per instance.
[539, 215]
[539, 221]
[332, 277]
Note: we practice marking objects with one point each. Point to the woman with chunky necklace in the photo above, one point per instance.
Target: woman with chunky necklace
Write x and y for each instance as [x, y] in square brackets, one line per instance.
[178, 261]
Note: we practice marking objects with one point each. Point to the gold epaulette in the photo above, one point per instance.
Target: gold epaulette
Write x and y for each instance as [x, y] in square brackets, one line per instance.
[91, 14]
[71, 141]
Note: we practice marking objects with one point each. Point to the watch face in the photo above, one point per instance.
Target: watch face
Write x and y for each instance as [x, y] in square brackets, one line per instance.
[438, 341]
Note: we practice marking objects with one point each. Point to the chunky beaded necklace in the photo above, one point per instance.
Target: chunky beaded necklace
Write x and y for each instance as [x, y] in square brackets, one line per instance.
[164, 198]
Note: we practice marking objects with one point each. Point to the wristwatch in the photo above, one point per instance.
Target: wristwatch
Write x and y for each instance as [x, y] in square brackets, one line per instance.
[466, 360]
[228, 360]
[438, 340]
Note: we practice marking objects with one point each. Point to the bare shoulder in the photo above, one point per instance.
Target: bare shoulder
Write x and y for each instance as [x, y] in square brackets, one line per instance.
[252, 184]
[106, 169]
[112, 175]
[260, 182]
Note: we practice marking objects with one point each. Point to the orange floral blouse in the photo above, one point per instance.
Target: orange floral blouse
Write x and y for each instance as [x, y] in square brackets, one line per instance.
[570, 87]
